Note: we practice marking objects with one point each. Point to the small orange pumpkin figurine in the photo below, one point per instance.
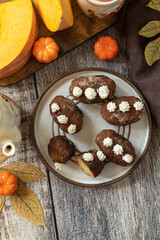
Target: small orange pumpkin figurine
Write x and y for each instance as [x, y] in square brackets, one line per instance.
[106, 48]
[45, 49]
[8, 183]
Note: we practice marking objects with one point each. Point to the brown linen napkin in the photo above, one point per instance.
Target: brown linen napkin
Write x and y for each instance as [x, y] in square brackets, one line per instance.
[133, 17]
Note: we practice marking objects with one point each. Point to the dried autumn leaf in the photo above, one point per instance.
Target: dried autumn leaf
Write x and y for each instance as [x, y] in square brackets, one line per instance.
[152, 51]
[150, 29]
[2, 201]
[2, 156]
[26, 204]
[25, 172]
[154, 4]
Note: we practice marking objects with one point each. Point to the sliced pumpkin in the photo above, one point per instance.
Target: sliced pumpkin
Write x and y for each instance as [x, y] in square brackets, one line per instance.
[18, 31]
[56, 14]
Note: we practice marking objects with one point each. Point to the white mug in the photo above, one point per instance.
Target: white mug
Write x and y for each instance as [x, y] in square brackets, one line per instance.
[100, 9]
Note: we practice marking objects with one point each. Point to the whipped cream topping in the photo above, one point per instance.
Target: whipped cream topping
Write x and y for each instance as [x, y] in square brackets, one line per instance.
[71, 129]
[138, 105]
[58, 166]
[90, 93]
[107, 142]
[77, 91]
[127, 158]
[124, 106]
[118, 149]
[62, 119]
[88, 157]
[55, 107]
[101, 155]
[103, 92]
[111, 106]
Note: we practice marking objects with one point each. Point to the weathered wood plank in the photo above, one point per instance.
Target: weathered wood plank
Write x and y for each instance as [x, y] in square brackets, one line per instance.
[11, 225]
[125, 210]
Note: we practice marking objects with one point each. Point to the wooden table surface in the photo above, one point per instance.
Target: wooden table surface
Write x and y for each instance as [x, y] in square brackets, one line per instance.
[126, 210]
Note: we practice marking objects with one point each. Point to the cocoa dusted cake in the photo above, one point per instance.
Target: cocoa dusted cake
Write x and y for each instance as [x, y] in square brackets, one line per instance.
[66, 114]
[92, 162]
[92, 88]
[116, 147]
[60, 149]
[122, 110]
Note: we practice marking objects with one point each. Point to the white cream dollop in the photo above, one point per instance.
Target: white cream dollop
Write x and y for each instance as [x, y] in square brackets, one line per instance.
[90, 93]
[55, 107]
[107, 142]
[124, 106]
[62, 119]
[71, 129]
[103, 92]
[127, 158]
[77, 91]
[58, 166]
[101, 155]
[118, 149]
[88, 157]
[111, 106]
[138, 105]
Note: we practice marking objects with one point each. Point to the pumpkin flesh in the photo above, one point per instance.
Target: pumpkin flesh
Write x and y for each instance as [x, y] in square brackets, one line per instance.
[18, 32]
[56, 14]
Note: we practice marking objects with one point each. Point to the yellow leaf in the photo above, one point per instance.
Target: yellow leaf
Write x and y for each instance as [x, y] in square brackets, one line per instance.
[26, 204]
[2, 156]
[2, 200]
[150, 29]
[25, 172]
[152, 51]
[154, 4]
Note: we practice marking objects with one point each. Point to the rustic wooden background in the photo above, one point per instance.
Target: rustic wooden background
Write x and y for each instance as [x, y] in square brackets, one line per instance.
[126, 210]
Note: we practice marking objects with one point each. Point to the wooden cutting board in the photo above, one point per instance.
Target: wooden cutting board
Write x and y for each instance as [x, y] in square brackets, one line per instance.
[83, 28]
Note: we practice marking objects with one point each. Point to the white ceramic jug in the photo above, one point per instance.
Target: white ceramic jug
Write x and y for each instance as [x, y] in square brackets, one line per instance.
[10, 119]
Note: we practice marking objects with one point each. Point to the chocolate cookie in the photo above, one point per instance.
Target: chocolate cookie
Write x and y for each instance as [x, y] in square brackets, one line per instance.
[92, 88]
[122, 110]
[116, 147]
[66, 114]
[60, 149]
[92, 162]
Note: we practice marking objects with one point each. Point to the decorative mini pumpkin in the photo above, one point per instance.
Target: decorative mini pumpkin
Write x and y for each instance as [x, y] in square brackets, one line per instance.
[106, 48]
[45, 49]
[8, 183]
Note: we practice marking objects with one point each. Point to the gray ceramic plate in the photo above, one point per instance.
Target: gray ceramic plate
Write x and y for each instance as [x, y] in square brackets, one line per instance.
[138, 133]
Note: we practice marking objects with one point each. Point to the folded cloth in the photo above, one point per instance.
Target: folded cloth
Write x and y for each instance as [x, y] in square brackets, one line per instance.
[133, 17]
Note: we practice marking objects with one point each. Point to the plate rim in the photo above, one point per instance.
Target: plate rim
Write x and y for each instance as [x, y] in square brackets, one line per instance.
[33, 125]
